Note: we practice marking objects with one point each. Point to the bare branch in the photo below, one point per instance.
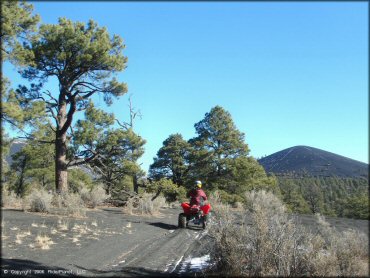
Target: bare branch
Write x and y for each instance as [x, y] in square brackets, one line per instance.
[123, 125]
[36, 140]
[82, 161]
[47, 92]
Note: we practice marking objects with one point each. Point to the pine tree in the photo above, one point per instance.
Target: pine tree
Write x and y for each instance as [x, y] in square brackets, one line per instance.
[82, 58]
[172, 160]
[18, 25]
[220, 156]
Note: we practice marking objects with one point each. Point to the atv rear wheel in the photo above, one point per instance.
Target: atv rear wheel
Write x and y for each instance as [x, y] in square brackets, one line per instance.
[204, 222]
[182, 220]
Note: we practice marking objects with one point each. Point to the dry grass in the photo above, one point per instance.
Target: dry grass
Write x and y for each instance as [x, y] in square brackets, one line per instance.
[38, 201]
[272, 244]
[144, 205]
[3, 231]
[63, 225]
[10, 199]
[93, 198]
[69, 204]
[53, 231]
[42, 242]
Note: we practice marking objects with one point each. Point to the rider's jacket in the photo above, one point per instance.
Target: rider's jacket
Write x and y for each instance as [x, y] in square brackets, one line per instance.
[196, 196]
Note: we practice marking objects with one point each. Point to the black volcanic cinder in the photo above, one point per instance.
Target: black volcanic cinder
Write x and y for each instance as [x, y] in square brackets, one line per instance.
[314, 162]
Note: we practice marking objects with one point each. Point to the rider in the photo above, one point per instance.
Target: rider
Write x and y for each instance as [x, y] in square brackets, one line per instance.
[197, 195]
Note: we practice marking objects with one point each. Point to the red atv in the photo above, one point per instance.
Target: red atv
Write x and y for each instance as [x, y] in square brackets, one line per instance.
[196, 214]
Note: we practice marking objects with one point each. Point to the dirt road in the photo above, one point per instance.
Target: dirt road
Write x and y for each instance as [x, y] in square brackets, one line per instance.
[110, 243]
[106, 243]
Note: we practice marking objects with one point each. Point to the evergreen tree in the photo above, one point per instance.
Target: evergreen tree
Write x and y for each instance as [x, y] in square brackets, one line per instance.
[220, 156]
[292, 196]
[118, 149]
[17, 26]
[172, 160]
[82, 59]
[34, 163]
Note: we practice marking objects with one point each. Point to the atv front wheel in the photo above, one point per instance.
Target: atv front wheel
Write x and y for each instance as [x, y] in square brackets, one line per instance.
[182, 220]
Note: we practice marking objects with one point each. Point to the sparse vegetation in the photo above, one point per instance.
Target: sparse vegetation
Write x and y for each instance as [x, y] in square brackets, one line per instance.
[69, 204]
[9, 199]
[94, 197]
[273, 244]
[38, 201]
[144, 204]
[43, 242]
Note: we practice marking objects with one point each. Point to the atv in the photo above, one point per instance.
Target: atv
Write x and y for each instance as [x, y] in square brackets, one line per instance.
[195, 214]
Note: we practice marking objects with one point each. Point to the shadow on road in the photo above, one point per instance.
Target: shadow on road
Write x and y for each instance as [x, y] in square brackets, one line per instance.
[18, 264]
[163, 225]
[135, 272]
[9, 267]
[195, 228]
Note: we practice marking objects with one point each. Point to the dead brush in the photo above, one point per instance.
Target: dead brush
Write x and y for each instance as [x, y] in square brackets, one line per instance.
[272, 244]
[38, 201]
[63, 225]
[19, 237]
[10, 199]
[94, 197]
[42, 242]
[69, 204]
[145, 204]
[336, 253]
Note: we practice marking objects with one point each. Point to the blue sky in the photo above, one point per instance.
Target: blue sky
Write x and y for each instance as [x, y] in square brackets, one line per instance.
[289, 73]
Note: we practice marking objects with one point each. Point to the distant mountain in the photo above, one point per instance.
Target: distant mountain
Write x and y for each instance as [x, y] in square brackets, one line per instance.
[15, 147]
[315, 162]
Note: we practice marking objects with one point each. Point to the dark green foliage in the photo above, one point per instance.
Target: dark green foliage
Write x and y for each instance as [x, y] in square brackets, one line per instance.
[292, 197]
[332, 196]
[117, 150]
[220, 156]
[356, 206]
[230, 198]
[78, 179]
[172, 160]
[83, 60]
[168, 189]
[17, 25]
[33, 164]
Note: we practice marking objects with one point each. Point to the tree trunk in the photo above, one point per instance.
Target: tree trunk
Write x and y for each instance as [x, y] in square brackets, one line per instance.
[20, 189]
[61, 174]
[136, 185]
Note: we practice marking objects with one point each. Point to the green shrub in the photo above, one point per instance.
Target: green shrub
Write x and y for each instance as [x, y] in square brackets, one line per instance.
[172, 192]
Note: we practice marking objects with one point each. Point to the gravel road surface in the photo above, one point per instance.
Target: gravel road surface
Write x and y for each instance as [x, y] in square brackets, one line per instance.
[110, 243]
[105, 243]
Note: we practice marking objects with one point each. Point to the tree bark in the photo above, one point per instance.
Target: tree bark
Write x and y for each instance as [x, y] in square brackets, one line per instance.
[61, 174]
[136, 184]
